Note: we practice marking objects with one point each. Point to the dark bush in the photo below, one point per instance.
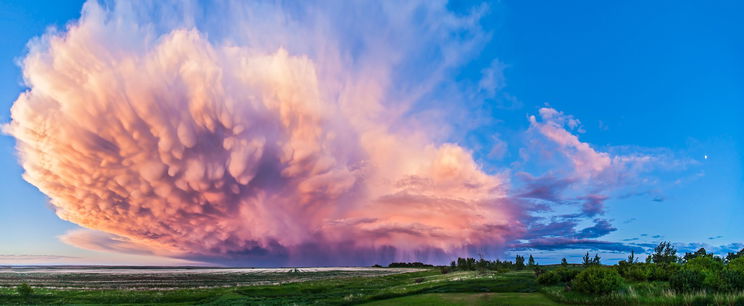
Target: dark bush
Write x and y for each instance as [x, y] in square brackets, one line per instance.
[597, 280]
[739, 301]
[445, 269]
[662, 272]
[703, 301]
[409, 265]
[687, 280]
[637, 272]
[730, 281]
[24, 290]
[539, 271]
[549, 278]
[567, 275]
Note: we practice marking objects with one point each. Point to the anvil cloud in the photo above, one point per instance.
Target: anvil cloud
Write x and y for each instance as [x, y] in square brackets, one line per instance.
[273, 134]
[246, 149]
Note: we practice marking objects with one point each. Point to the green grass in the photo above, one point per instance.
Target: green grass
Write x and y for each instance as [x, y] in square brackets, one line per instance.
[509, 298]
[429, 284]
[643, 293]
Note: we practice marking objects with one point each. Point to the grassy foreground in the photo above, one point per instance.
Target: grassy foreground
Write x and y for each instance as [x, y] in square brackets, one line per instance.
[425, 287]
[509, 298]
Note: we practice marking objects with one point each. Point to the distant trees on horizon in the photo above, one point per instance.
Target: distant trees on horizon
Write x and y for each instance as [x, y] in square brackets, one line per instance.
[663, 253]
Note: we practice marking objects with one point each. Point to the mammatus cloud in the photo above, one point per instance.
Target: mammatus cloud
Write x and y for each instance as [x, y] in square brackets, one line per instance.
[264, 134]
[250, 149]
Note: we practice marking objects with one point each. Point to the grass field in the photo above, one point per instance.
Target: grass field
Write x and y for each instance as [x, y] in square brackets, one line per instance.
[328, 286]
[509, 298]
[422, 287]
[174, 278]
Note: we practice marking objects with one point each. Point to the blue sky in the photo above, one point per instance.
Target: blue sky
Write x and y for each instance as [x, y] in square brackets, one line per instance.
[641, 77]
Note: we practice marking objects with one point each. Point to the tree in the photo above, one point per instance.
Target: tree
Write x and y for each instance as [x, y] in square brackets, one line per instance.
[731, 256]
[699, 253]
[664, 253]
[631, 258]
[586, 260]
[564, 262]
[531, 261]
[519, 262]
[596, 259]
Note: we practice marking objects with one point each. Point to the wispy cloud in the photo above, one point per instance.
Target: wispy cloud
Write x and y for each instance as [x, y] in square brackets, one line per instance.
[8, 258]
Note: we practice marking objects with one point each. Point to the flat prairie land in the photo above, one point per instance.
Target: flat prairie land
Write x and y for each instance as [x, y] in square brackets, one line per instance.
[320, 286]
[154, 278]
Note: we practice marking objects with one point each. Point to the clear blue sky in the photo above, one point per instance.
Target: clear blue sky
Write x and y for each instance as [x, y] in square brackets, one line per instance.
[639, 75]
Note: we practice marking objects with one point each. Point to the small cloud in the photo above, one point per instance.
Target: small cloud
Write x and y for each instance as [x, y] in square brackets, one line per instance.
[629, 220]
[600, 228]
[499, 149]
[658, 198]
[602, 125]
[492, 79]
[561, 243]
[630, 239]
[644, 235]
[657, 236]
[715, 237]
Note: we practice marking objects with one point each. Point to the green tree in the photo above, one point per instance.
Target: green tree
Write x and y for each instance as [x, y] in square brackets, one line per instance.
[564, 262]
[519, 262]
[699, 253]
[531, 261]
[664, 253]
[732, 256]
[586, 260]
[631, 258]
[596, 259]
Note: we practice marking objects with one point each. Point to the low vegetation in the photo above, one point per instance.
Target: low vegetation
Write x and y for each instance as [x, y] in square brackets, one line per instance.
[697, 278]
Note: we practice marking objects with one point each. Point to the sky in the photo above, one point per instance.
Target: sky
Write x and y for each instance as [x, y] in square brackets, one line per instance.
[305, 134]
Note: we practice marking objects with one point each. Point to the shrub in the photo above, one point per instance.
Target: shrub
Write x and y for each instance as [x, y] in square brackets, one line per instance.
[736, 264]
[567, 275]
[597, 280]
[710, 266]
[687, 280]
[25, 290]
[705, 264]
[703, 301]
[634, 271]
[662, 272]
[729, 280]
[549, 278]
[637, 272]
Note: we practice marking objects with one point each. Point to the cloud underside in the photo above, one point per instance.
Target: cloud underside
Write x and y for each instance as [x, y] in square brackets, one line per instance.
[286, 139]
[170, 144]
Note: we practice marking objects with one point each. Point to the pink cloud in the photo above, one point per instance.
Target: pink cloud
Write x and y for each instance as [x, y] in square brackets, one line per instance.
[172, 144]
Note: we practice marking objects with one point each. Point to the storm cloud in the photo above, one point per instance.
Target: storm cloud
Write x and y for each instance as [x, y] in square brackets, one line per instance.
[244, 148]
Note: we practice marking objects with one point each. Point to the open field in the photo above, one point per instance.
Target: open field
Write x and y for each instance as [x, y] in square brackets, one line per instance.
[336, 288]
[174, 278]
